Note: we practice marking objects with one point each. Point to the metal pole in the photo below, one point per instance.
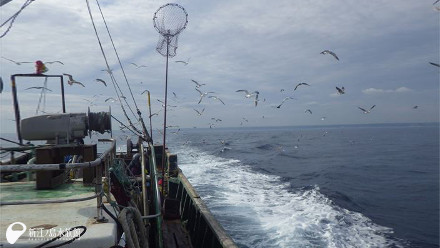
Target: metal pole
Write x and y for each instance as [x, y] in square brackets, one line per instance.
[16, 109]
[165, 119]
[144, 183]
[149, 108]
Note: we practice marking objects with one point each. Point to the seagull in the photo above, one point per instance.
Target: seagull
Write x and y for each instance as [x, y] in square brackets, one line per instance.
[198, 85]
[216, 98]
[308, 110]
[216, 119]
[367, 111]
[323, 118]
[434, 64]
[138, 66]
[111, 99]
[175, 95]
[340, 90]
[102, 81]
[330, 52]
[56, 61]
[15, 62]
[281, 90]
[285, 99]
[248, 95]
[183, 62]
[37, 87]
[300, 84]
[203, 94]
[72, 81]
[435, 2]
[163, 104]
[416, 107]
[199, 112]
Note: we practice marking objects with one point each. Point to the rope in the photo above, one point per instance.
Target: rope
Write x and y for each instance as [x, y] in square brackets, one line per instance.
[13, 17]
[125, 76]
[115, 85]
[133, 227]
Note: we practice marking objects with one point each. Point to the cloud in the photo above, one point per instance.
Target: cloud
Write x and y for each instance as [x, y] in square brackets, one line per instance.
[375, 91]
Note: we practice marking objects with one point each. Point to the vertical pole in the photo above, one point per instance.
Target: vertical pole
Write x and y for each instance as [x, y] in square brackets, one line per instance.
[144, 183]
[149, 108]
[165, 120]
[62, 95]
[16, 109]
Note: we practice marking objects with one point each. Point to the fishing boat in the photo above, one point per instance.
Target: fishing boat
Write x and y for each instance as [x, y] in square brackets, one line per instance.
[61, 192]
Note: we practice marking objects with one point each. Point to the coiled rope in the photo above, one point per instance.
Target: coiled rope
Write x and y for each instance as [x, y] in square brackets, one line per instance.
[133, 227]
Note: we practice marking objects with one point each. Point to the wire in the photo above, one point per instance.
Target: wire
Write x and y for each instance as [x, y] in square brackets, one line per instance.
[13, 17]
[115, 85]
[123, 72]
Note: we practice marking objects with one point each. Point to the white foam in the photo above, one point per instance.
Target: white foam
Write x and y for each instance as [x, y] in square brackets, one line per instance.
[258, 210]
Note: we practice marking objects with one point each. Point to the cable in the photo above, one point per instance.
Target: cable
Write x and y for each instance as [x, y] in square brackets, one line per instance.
[125, 76]
[115, 85]
[13, 17]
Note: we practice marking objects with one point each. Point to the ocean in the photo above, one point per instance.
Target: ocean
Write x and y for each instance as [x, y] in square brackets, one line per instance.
[327, 186]
[321, 186]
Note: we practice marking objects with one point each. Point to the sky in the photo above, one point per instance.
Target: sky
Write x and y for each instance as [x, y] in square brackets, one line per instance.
[384, 49]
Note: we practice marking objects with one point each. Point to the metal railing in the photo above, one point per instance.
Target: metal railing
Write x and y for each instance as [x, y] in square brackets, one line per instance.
[105, 158]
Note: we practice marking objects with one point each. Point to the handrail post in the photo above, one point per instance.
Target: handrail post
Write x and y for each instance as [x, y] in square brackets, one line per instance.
[144, 186]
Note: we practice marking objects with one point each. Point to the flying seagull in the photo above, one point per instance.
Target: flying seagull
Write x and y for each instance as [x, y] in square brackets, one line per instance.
[367, 111]
[435, 2]
[308, 110]
[111, 99]
[56, 61]
[138, 66]
[340, 90]
[102, 81]
[198, 85]
[37, 87]
[299, 85]
[163, 104]
[216, 98]
[331, 53]
[249, 95]
[434, 64]
[15, 62]
[416, 107]
[203, 94]
[183, 62]
[199, 112]
[72, 81]
[285, 99]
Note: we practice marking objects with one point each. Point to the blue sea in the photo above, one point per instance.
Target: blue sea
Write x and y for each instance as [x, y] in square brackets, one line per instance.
[328, 186]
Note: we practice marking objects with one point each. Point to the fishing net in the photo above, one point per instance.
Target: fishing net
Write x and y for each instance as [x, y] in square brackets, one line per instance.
[169, 20]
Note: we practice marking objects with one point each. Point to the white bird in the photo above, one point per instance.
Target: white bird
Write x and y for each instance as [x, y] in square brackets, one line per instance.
[37, 87]
[203, 94]
[216, 98]
[102, 81]
[199, 112]
[308, 110]
[300, 85]
[249, 95]
[111, 99]
[435, 2]
[72, 81]
[285, 99]
[340, 90]
[183, 62]
[434, 64]
[367, 111]
[198, 85]
[138, 66]
[163, 104]
[331, 53]
[15, 62]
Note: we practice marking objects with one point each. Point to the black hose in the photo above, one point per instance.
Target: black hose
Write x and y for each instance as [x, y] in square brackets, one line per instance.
[112, 216]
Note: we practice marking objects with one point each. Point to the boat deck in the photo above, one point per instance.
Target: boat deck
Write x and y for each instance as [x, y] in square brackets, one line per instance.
[45, 221]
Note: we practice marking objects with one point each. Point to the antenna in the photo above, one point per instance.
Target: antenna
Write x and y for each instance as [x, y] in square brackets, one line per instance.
[169, 20]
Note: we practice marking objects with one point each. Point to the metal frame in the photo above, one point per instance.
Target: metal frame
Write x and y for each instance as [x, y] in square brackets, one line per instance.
[15, 99]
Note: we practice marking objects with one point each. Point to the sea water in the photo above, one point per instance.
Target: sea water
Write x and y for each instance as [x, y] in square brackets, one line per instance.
[337, 186]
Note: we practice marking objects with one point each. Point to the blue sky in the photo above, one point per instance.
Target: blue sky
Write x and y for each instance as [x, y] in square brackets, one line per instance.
[384, 48]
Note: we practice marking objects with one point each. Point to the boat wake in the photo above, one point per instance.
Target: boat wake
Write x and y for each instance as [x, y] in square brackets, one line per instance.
[260, 210]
